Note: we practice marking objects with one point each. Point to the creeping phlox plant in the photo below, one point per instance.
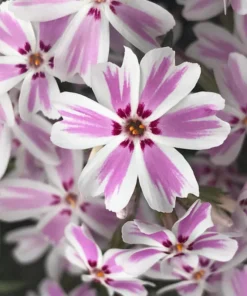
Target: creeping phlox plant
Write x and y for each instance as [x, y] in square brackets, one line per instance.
[122, 147]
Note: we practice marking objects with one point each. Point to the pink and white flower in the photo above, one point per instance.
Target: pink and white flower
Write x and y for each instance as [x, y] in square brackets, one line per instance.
[189, 236]
[52, 288]
[55, 204]
[227, 178]
[100, 268]
[215, 43]
[139, 21]
[144, 108]
[234, 282]
[33, 135]
[28, 57]
[198, 10]
[232, 82]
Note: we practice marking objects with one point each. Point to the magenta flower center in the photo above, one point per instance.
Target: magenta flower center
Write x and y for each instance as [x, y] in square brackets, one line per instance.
[36, 60]
[71, 199]
[135, 127]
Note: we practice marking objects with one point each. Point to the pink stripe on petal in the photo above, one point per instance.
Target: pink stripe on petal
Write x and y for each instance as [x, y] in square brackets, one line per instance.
[114, 169]
[140, 255]
[50, 288]
[131, 287]
[83, 243]
[8, 71]
[86, 122]
[54, 228]
[14, 36]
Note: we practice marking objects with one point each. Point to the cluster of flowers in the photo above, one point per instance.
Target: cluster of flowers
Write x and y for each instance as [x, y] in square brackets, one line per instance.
[144, 111]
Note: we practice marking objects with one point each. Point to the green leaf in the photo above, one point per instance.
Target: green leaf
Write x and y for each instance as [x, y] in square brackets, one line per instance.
[10, 286]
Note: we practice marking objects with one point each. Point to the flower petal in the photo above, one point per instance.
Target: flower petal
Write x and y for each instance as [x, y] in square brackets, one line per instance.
[140, 23]
[214, 45]
[234, 282]
[44, 10]
[35, 137]
[6, 110]
[198, 10]
[78, 50]
[65, 175]
[109, 260]
[108, 173]
[83, 289]
[195, 221]
[118, 88]
[37, 93]
[85, 123]
[184, 288]
[201, 127]
[5, 148]
[133, 232]
[12, 71]
[215, 246]
[137, 262]
[103, 224]
[128, 287]
[229, 150]
[21, 199]
[54, 223]
[232, 81]
[83, 243]
[163, 84]
[240, 6]
[161, 189]
[50, 288]
[31, 245]
[240, 22]
[16, 36]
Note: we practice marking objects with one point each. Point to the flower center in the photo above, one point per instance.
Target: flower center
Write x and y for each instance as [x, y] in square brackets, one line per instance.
[100, 1]
[71, 199]
[244, 121]
[199, 274]
[179, 247]
[36, 60]
[135, 127]
[99, 273]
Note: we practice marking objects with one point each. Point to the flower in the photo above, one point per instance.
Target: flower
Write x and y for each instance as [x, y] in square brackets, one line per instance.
[235, 282]
[33, 135]
[145, 113]
[189, 236]
[215, 43]
[101, 268]
[51, 288]
[28, 56]
[57, 203]
[139, 21]
[198, 10]
[231, 80]
[227, 178]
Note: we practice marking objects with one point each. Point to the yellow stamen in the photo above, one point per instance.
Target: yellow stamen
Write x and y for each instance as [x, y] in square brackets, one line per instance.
[141, 126]
[135, 132]
[36, 60]
[198, 275]
[244, 121]
[100, 273]
[71, 199]
[179, 247]
[131, 128]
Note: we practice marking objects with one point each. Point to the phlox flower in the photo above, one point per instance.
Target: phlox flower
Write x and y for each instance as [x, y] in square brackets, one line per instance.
[100, 268]
[189, 236]
[144, 112]
[57, 203]
[227, 178]
[232, 82]
[51, 288]
[34, 135]
[31, 245]
[234, 282]
[28, 57]
[198, 10]
[215, 43]
[139, 21]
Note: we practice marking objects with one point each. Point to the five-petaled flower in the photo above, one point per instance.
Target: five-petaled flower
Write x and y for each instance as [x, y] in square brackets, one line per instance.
[189, 237]
[28, 56]
[139, 21]
[100, 268]
[57, 203]
[145, 114]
